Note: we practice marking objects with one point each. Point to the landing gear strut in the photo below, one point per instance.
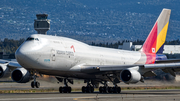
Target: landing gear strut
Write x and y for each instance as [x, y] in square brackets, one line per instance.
[35, 83]
[88, 89]
[66, 88]
[104, 89]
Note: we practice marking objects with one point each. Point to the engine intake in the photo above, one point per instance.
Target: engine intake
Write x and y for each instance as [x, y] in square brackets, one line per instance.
[21, 75]
[130, 76]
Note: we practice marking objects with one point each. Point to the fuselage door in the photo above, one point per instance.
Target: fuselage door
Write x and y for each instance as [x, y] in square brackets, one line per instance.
[53, 54]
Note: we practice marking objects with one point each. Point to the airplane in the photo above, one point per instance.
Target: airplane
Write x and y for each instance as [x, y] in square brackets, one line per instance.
[69, 59]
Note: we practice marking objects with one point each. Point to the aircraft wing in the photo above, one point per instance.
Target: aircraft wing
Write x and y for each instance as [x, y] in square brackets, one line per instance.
[144, 68]
[10, 64]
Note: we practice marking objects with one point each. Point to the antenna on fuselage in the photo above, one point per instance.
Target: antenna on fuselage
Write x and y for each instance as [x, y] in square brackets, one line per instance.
[42, 24]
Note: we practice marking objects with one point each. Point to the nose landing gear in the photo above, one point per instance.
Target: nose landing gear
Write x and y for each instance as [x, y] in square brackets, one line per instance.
[35, 83]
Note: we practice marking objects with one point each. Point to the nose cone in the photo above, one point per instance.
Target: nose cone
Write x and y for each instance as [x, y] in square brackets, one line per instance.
[26, 54]
[20, 54]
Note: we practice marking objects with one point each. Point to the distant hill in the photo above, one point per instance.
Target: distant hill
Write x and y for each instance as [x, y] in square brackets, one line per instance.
[88, 20]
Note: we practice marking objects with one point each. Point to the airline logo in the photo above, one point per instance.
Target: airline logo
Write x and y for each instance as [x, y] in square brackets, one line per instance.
[72, 47]
[153, 50]
[156, 39]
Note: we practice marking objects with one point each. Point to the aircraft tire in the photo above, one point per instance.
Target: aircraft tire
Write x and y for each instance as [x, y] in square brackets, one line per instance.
[110, 89]
[92, 89]
[83, 89]
[60, 89]
[37, 84]
[32, 84]
[100, 90]
[65, 89]
[69, 89]
[114, 89]
[88, 89]
[105, 89]
[118, 89]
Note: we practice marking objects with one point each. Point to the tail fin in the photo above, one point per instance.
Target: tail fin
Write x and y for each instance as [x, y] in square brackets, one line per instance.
[156, 38]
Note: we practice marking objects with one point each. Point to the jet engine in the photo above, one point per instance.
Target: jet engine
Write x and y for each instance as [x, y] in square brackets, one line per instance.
[4, 71]
[130, 76]
[21, 75]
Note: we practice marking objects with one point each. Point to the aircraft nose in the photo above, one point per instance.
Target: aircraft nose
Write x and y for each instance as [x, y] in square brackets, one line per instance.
[19, 54]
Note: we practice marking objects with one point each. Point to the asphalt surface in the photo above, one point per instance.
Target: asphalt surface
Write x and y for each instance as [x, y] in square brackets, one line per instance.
[126, 95]
[131, 95]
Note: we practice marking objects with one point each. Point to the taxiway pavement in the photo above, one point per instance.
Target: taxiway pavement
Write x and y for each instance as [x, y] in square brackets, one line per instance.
[128, 95]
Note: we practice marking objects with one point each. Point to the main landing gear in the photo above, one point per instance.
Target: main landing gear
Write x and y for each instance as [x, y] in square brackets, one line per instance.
[35, 83]
[107, 89]
[66, 88]
[88, 89]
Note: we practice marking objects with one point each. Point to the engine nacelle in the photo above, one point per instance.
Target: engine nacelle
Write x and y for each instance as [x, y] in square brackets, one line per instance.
[4, 71]
[21, 75]
[130, 76]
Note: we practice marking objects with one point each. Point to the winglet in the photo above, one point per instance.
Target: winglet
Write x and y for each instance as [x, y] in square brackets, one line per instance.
[156, 38]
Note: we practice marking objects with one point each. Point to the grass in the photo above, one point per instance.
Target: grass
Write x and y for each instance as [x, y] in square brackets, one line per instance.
[151, 88]
[79, 90]
[28, 91]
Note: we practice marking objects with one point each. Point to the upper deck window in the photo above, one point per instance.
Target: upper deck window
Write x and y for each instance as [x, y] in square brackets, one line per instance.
[31, 38]
[36, 39]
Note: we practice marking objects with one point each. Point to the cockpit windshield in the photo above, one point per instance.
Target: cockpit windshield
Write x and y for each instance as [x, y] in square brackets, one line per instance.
[31, 38]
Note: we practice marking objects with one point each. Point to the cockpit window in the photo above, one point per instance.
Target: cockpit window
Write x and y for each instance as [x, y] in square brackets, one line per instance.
[31, 38]
[37, 39]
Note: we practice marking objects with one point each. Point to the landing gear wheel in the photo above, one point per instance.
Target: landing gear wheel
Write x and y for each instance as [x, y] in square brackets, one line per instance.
[104, 89]
[32, 84]
[100, 89]
[60, 89]
[118, 89]
[92, 89]
[83, 89]
[88, 89]
[110, 89]
[114, 89]
[69, 89]
[65, 89]
[37, 84]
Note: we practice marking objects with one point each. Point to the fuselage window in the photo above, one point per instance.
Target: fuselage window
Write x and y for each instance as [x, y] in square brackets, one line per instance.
[36, 39]
[29, 39]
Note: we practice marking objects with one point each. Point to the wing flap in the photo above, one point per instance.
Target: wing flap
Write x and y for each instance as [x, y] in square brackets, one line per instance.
[167, 61]
[149, 74]
[170, 71]
[161, 66]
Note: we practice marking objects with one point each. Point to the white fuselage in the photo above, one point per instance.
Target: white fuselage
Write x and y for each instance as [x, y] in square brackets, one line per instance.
[47, 53]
